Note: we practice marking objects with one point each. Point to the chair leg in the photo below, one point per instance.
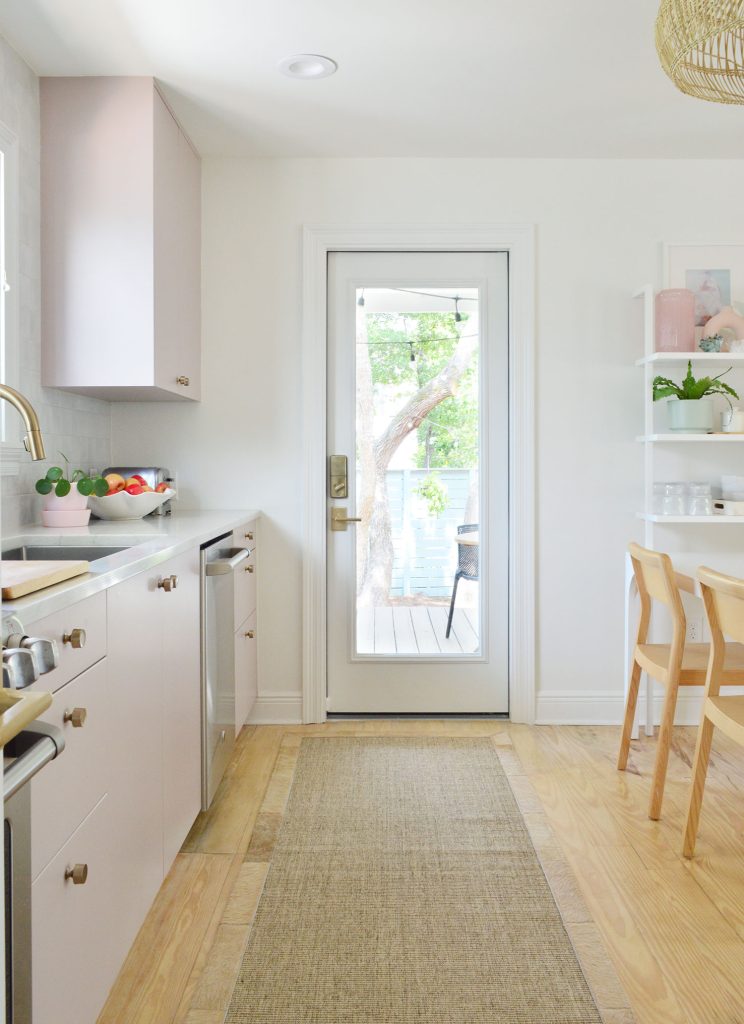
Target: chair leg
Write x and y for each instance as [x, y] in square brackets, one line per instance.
[699, 772]
[630, 710]
[452, 604]
[662, 751]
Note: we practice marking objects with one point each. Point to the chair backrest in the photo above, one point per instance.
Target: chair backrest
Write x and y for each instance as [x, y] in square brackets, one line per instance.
[468, 555]
[655, 579]
[724, 604]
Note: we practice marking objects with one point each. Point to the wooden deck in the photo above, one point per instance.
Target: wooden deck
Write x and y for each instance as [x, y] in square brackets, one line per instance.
[416, 630]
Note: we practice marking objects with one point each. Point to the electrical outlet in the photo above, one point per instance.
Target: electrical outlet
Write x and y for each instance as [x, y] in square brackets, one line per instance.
[694, 633]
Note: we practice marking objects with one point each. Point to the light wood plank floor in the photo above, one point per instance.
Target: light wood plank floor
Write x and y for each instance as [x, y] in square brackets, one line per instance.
[674, 930]
[416, 629]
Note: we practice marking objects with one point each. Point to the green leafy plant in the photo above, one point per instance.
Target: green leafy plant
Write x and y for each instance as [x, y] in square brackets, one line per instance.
[61, 481]
[434, 493]
[692, 389]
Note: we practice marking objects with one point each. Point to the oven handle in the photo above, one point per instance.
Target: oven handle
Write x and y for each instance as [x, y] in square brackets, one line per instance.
[222, 566]
[50, 743]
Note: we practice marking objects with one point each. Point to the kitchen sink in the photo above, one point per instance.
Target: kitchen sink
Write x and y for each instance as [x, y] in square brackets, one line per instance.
[59, 553]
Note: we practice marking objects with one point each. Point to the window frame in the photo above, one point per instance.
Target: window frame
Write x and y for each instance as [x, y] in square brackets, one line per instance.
[11, 446]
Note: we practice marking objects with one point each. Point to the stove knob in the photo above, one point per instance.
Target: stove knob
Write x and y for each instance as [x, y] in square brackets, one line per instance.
[21, 666]
[45, 651]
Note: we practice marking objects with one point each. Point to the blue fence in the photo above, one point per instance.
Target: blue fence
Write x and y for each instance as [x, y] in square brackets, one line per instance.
[425, 549]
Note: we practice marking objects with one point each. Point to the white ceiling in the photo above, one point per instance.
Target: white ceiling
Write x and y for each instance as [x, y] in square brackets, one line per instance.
[454, 78]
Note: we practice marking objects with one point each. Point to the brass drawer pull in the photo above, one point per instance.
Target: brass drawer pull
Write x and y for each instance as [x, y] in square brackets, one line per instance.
[250, 634]
[75, 638]
[78, 873]
[249, 536]
[168, 583]
[183, 381]
[77, 717]
[249, 568]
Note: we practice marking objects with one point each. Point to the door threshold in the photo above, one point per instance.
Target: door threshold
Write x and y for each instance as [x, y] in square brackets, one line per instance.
[363, 715]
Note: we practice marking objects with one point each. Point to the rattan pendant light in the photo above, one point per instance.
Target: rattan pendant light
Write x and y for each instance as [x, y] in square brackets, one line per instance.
[701, 47]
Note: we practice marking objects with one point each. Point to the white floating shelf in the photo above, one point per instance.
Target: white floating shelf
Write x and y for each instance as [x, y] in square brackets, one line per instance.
[654, 517]
[677, 358]
[689, 438]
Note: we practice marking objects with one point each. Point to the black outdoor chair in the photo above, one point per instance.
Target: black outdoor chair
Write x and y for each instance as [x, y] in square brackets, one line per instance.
[468, 558]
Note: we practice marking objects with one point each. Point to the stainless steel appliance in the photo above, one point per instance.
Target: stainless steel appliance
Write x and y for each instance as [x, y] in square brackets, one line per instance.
[25, 658]
[219, 559]
[154, 475]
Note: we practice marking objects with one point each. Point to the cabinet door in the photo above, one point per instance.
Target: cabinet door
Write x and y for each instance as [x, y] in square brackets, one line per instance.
[177, 257]
[136, 687]
[75, 928]
[70, 787]
[246, 682]
[181, 703]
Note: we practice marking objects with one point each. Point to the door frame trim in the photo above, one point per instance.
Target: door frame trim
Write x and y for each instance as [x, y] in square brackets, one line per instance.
[519, 241]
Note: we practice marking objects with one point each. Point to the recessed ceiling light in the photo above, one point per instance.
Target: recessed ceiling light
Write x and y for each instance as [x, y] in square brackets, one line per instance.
[307, 65]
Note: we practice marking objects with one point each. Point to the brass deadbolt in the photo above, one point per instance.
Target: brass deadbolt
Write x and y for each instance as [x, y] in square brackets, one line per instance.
[76, 717]
[75, 638]
[78, 873]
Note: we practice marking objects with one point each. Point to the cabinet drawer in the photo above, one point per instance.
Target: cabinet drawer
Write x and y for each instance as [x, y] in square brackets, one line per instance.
[88, 615]
[245, 589]
[246, 671]
[75, 959]
[70, 787]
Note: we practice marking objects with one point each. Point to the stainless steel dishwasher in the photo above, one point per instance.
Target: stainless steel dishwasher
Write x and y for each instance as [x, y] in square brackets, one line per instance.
[219, 560]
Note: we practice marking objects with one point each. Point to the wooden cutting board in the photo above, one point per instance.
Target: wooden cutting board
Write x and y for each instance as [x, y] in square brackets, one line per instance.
[21, 578]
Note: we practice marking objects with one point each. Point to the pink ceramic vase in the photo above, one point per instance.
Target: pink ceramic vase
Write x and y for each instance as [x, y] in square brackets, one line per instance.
[72, 510]
[675, 320]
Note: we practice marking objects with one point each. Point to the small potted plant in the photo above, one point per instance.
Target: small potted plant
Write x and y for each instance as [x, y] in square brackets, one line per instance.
[693, 412]
[66, 495]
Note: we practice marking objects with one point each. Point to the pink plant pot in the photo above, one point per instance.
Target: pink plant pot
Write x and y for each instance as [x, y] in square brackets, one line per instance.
[71, 510]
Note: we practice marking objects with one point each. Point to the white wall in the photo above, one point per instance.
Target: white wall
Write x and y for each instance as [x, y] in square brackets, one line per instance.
[598, 228]
[80, 427]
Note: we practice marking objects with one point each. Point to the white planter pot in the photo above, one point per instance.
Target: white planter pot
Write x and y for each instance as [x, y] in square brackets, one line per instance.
[694, 416]
[72, 510]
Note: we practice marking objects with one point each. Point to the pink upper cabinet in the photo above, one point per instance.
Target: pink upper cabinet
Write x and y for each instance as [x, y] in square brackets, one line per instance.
[121, 240]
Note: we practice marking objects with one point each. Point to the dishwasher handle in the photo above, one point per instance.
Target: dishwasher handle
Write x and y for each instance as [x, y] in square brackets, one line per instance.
[223, 566]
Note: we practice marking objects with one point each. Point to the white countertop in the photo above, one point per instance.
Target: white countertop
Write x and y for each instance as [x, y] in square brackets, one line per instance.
[148, 541]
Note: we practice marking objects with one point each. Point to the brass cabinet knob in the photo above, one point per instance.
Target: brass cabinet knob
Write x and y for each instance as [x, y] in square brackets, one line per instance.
[77, 717]
[78, 873]
[249, 568]
[249, 536]
[168, 583]
[250, 634]
[75, 638]
[183, 381]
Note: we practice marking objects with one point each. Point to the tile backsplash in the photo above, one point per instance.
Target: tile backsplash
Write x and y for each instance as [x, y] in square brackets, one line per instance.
[77, 425]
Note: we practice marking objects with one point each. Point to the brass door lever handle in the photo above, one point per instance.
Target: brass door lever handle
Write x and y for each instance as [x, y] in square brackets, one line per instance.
[339, 519]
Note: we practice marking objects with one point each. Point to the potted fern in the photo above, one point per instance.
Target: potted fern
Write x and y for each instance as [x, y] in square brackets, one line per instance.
[693, 412]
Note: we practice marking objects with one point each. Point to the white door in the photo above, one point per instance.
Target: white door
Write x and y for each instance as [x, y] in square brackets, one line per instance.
[418, 444]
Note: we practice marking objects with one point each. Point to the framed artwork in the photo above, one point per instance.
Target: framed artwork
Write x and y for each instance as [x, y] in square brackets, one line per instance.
[714, 273]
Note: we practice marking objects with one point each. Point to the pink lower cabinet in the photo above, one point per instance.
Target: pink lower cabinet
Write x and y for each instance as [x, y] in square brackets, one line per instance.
[70, 787]
[76, 909]
[181, 705]
[246, 681]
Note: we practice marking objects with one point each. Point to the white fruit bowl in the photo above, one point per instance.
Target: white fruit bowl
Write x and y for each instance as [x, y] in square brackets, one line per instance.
[128, 506]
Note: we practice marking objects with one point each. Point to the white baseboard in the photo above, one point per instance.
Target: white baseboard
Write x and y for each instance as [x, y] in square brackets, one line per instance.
[566, 707]
[277, 709]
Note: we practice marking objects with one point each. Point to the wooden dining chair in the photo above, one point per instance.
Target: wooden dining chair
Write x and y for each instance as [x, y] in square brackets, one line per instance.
[673, 664]
[724, 607]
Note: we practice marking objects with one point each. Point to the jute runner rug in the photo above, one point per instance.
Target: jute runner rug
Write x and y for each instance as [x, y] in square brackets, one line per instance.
[404, 889]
